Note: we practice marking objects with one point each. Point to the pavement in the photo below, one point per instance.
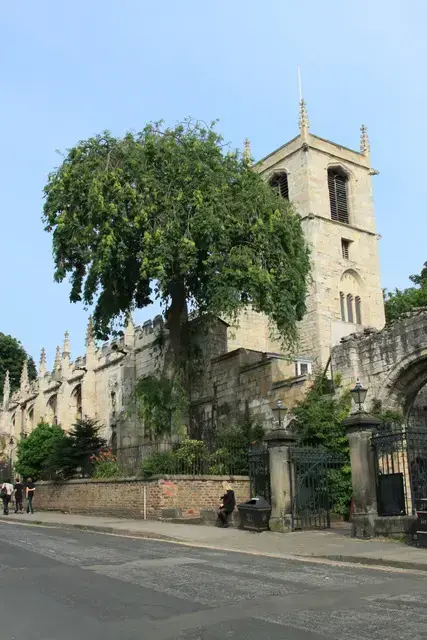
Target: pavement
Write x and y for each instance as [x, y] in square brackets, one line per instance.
[332, 545]
[59, 584]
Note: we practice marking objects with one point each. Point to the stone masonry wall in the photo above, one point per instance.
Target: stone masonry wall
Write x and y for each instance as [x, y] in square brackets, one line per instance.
[169, 496]
[391, 363]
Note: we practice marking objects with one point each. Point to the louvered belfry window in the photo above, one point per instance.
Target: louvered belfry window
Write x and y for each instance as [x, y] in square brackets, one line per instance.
[337, 183]
[280, 182]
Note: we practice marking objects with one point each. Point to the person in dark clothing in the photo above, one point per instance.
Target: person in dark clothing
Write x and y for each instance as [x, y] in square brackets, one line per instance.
[30, 489]
[19, 496]
[228, 502]
[6, 495]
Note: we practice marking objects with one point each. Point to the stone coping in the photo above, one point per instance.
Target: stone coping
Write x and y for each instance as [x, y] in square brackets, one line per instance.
[141, 480]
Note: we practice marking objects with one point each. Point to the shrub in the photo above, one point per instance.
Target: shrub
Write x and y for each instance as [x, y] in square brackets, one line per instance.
[34, 451]
[191, 457]
[158, 463]
[340, 490]
[106, 465]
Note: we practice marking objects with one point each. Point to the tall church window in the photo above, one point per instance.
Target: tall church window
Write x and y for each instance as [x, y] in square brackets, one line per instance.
[338, 195]
[279, 182]
[358, 310]
[342, 305]
[345, 249]
[350, 317]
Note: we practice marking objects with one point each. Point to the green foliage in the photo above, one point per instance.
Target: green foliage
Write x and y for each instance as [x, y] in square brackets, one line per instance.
[227, 454]
[340, 490]
[158, 463]
[73, 453]
[244, 432]
[159, 403]
[32, 452]
[399, 302]
[85, 442]
[106, 465]
[59, 464]
[319, 423]
[12, 356]
[387, 416]
[170, 214]
[319, 416]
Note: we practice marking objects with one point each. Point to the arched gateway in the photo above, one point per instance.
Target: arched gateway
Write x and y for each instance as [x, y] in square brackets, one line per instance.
[391, 363]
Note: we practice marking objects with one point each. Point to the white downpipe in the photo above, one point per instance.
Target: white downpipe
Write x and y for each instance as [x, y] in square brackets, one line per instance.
[145, 502]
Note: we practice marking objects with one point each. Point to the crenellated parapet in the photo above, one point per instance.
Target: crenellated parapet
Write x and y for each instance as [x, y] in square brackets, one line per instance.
[90, 385]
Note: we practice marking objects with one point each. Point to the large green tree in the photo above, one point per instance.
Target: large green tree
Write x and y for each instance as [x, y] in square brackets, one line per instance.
[34, 451]
[173, 215]
[12, 356]
[398, 302]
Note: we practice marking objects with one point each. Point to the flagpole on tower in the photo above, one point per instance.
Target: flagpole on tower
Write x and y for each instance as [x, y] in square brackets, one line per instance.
[299, 84]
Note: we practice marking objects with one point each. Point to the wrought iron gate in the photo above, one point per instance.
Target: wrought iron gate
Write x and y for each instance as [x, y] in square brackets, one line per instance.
[400, 454]
[259, 472]
[315, 476]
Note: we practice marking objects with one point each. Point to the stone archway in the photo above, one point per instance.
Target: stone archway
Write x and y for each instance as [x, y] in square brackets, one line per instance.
[391, 363]
[403, 383]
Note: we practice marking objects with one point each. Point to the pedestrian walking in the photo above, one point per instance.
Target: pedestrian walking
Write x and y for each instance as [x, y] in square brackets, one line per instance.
[6, 495]
[228, 503]
[30, 490]
[19, 496]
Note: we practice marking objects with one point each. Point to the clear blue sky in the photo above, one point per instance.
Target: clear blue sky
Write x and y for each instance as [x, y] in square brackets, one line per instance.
[71, 69]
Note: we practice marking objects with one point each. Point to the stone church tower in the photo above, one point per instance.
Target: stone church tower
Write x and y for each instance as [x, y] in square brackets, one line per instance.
[330, 188]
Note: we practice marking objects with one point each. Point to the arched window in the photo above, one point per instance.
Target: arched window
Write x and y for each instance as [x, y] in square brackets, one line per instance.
[279, 182]
[358, 310]
[113, 403]
[342, 306]
[338, 196]
[30, 419]
[350, 317]
[77, 401]
[52, 406]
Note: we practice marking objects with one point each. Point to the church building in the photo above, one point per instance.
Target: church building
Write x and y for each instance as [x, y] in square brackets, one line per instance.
[330, 188]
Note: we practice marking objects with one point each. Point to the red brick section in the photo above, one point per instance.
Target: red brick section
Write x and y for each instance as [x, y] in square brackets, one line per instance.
[169, 496]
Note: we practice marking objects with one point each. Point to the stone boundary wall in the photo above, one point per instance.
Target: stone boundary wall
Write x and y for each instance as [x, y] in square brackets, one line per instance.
[166, 496]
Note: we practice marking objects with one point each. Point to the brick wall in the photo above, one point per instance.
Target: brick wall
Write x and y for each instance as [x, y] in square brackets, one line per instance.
[169, 496]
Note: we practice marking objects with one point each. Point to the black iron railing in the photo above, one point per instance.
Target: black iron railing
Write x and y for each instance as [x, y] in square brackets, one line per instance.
[188, 457]
[400, 454]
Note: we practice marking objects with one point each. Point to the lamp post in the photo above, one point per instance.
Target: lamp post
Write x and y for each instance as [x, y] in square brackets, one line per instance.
[358, 394]
[12, 448]
[280, 408]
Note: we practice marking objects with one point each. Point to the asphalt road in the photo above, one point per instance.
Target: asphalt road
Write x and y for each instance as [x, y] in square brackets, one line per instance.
[62, 585]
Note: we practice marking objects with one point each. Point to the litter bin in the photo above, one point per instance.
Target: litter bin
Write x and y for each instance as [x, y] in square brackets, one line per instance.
[421, 524]
[255, 514]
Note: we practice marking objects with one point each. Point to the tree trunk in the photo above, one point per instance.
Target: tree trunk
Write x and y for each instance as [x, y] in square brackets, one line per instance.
[176, 365]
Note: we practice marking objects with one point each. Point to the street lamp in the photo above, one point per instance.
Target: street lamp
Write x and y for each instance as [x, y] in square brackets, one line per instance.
[12, 448]
[359, 394]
